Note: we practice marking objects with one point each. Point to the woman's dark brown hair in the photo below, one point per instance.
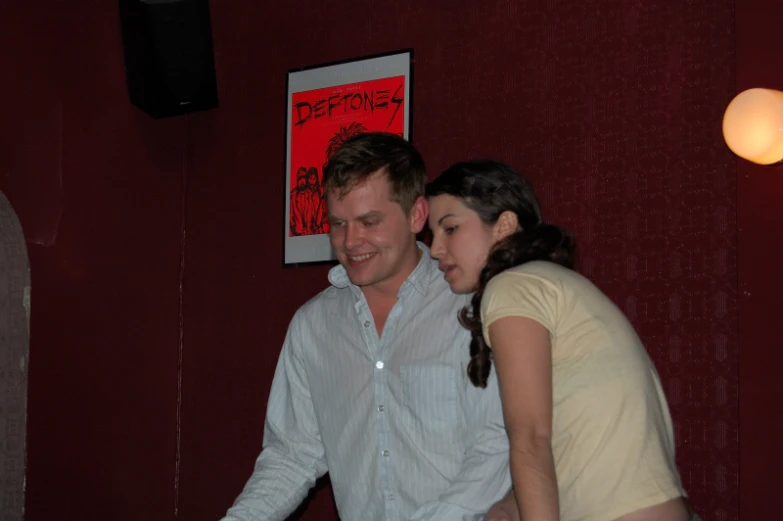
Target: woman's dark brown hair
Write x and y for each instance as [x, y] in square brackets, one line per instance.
[491, 188]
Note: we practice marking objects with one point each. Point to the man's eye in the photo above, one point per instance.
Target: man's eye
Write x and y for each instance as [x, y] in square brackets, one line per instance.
[336, 224]
[370, 224]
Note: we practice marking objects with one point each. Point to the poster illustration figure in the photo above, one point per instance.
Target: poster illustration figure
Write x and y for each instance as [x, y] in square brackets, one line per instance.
[322, 120]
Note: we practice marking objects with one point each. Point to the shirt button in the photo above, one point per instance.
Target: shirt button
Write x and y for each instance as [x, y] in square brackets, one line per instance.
[381, 408]
[386, 454]
[366, 323]
[390, 497]
[379, 364]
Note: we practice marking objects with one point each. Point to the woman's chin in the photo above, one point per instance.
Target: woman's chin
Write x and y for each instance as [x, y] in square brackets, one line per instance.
[459, 289]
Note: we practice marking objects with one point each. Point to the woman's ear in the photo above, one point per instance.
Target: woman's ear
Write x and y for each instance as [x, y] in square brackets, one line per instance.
[506, 224]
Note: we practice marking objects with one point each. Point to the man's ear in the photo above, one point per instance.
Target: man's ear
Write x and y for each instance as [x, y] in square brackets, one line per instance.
[418, 214]
[506, 224]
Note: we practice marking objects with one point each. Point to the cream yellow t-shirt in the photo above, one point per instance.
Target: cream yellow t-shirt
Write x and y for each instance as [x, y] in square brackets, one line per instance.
[612, 433]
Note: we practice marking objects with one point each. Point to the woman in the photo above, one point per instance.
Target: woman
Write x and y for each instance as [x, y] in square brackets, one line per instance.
[589, 428]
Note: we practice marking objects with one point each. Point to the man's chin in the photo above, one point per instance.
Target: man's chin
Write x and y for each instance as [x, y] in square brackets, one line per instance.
[356, 278]
[360, 282]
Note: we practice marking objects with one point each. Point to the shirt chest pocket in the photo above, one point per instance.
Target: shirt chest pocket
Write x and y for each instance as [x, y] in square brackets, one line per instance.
[431, 402]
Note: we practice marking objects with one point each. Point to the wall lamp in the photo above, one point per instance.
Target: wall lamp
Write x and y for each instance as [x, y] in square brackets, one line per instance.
[753, 126]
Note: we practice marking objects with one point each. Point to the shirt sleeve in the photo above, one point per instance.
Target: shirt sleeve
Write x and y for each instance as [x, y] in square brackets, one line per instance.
[484, 477]
[292, 457]
[518, 294]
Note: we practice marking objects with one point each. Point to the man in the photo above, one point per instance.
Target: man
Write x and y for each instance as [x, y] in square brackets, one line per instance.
[371, 383]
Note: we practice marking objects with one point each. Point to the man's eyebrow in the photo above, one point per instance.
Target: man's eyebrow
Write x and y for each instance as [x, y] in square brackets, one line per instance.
[370, 215]
[362, 217]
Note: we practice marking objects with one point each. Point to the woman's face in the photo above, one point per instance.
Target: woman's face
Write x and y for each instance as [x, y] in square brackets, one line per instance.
[460, 241]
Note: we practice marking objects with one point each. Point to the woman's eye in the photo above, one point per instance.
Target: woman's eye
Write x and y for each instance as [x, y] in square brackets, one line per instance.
[449, 230]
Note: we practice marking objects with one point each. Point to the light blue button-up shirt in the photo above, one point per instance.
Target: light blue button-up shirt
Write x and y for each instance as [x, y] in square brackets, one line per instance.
[395, 421]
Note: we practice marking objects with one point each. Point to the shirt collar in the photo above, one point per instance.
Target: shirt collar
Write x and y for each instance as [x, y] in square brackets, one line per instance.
[419, 279]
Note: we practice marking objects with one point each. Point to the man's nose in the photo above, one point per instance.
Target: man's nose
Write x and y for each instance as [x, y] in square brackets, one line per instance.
[353, 236]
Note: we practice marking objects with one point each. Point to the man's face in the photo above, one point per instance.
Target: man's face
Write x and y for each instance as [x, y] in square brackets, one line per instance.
[373, 237]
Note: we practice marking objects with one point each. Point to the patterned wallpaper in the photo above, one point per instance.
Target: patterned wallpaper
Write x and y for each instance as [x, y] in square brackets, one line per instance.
[611, 107]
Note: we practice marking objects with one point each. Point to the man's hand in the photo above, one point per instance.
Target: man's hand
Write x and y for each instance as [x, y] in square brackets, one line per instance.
[504, 510]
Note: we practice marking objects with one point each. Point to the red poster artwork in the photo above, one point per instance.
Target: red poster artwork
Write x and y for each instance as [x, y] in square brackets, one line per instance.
[321, 121]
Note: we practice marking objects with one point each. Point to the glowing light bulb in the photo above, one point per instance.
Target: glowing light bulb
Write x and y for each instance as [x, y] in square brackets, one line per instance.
[753, 126]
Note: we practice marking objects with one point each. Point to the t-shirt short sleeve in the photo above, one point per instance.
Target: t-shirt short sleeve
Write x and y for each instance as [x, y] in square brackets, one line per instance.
[515, 293]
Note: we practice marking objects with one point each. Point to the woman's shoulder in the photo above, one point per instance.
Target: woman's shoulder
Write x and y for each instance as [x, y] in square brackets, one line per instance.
[539, 268]
[548, 276]
[545, 275]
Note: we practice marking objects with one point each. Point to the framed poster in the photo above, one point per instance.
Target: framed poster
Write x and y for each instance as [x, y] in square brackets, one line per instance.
[328, 104]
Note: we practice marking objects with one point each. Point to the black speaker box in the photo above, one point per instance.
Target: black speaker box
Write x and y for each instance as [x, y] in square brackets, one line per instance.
[169, 62]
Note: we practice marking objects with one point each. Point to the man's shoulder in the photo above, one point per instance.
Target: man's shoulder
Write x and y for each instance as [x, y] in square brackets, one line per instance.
[438, 287]
[438, 304]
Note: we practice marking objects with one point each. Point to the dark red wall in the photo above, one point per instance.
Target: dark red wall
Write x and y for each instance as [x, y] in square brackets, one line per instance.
[98, 190]
[760, 230]
[160, 302]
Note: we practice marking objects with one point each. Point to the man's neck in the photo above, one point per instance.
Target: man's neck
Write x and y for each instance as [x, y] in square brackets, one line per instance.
[382, 298]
